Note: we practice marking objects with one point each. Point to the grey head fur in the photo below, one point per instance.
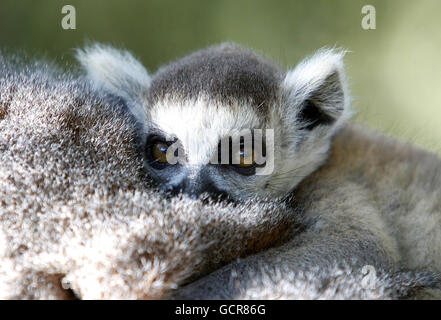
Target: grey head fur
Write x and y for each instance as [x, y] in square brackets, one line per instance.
[224, 73]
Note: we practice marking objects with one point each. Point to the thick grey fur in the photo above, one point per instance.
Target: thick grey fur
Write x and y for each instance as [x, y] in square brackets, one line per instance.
[80, 219]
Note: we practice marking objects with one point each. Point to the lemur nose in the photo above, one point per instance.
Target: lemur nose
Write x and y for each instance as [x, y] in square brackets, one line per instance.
[173, 190]
[194, 189]
[215, 193]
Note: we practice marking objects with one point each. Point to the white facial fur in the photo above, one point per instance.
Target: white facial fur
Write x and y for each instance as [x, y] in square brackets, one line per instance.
[200, 124]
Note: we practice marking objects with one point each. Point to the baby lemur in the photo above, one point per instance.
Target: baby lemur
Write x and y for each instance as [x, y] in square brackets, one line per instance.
[362, 198]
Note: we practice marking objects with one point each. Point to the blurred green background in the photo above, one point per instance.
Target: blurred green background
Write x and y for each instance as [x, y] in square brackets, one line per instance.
[394, 71]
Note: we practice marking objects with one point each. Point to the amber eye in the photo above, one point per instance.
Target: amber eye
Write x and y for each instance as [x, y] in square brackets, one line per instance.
[159, 152]
[246, 158]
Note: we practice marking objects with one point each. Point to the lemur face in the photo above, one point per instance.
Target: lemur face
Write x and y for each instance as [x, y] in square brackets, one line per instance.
[200, 146]
[226, 122]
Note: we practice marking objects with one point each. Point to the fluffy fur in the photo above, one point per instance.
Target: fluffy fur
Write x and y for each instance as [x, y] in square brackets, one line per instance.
[79, 217]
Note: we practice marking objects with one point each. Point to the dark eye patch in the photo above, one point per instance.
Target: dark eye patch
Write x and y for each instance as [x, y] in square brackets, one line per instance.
[156, 150]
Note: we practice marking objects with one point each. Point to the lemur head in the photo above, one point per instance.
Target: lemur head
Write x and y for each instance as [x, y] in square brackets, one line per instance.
[224, 120]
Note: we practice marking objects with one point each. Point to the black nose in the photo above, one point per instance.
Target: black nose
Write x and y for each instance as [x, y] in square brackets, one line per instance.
[173, 190]
[215, 193]
[194, 189]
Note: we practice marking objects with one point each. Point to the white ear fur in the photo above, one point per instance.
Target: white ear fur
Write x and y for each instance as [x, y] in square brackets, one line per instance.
[117, 72]
[320, 79]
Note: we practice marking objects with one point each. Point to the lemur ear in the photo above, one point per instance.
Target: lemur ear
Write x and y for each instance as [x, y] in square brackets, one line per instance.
[117, 72]
[316, 90]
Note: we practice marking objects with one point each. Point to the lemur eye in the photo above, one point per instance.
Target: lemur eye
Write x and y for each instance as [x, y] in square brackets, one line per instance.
[159, 152]
[242, 158]
[156, 152]
[246, 158]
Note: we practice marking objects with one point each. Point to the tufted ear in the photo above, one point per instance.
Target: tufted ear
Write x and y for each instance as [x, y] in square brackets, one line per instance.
[117, 72]
[316, 90]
